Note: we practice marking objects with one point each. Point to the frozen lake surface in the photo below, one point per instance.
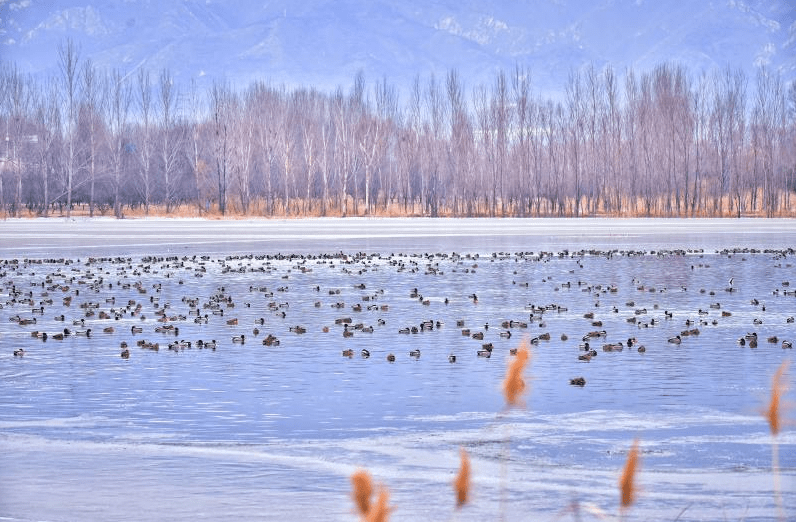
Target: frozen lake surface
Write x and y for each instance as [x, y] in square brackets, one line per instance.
[253, 432]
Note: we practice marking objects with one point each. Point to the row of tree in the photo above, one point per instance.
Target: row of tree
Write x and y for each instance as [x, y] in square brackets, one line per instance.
[662, 142]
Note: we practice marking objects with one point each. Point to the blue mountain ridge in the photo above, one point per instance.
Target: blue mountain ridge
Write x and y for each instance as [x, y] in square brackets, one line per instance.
[324, 43]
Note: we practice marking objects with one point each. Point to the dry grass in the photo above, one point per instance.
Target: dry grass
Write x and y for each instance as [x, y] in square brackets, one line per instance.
[462, 483]
[627, 481]
[514, 384]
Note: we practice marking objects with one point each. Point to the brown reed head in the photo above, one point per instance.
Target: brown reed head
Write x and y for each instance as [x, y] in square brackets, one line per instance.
[514, 384]
[462, 482]
[380, 511]
[362, 490]
[778, 388]
[627, 486]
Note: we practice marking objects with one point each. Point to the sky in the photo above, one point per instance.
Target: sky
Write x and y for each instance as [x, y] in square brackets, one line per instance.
[324, 44]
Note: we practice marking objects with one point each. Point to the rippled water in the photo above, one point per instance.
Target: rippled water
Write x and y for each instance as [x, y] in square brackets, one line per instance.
[272, 432]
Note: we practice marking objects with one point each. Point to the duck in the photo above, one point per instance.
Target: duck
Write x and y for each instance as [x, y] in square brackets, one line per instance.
[631, 341]
[773, 339]
[641, 349]
[414, 353]
[136, 329]
[390, 357]
[19, 352]
[125, 354]
[578, 381]
[241, 339]
[206, 344]
[451, 358]
[348, 353]
[365, 353]
[787, 344]
[675, 340]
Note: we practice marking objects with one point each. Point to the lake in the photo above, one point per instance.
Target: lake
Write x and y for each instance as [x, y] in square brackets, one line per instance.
[254, 432]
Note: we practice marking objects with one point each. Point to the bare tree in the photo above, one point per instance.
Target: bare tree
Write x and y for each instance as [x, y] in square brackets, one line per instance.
[48, 125]
[117, 113]
[69, 56]
[172, 138]
[220, 97]
[145, 143]
[577, 123]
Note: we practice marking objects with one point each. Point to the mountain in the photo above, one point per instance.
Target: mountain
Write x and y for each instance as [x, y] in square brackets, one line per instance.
[324, 43]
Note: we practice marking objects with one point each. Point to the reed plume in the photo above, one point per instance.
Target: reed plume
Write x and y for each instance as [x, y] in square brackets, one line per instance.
[774, 416]
[514, 384]
[778, 389]
[380, 511]
[362, 491]
[462, 482]
[627, 486]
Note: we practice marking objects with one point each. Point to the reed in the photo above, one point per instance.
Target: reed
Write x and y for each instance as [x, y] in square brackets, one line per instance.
[462, 483]
[774, 416]
[362, 490]
[778, 388]
[514, 384]
[380, 511]
[627, 481]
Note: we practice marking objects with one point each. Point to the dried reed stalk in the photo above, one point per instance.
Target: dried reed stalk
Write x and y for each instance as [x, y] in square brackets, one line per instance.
[627, 486]
[462, 482]
[514, 384]
[380, 511]
[362, 486]
[778, 389]
[774, 416]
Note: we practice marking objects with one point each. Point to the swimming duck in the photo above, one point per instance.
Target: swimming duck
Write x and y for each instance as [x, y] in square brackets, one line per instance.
[787, 344]
[451, 358]
[390, 357]
[125, 354]
[348, 353]
[414, 353]
[365, 353]
[675, 340]
[578, 381]
[241, 339]
[19, 352]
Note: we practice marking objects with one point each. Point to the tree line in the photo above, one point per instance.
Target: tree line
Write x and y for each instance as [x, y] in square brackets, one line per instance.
[658, 143]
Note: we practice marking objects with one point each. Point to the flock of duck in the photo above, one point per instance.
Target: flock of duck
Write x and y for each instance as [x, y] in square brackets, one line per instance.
[171, 303]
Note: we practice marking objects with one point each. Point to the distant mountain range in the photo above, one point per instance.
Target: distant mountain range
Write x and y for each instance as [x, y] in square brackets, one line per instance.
[324, 43]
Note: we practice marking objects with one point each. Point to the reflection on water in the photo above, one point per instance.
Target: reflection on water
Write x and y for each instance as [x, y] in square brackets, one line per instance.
[273, 431]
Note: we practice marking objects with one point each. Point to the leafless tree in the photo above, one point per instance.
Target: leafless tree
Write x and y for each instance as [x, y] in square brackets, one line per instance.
[220, 101]
[69, 56]
[117, 113]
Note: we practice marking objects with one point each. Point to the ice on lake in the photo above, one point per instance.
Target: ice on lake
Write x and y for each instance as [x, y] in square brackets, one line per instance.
[252, 432]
